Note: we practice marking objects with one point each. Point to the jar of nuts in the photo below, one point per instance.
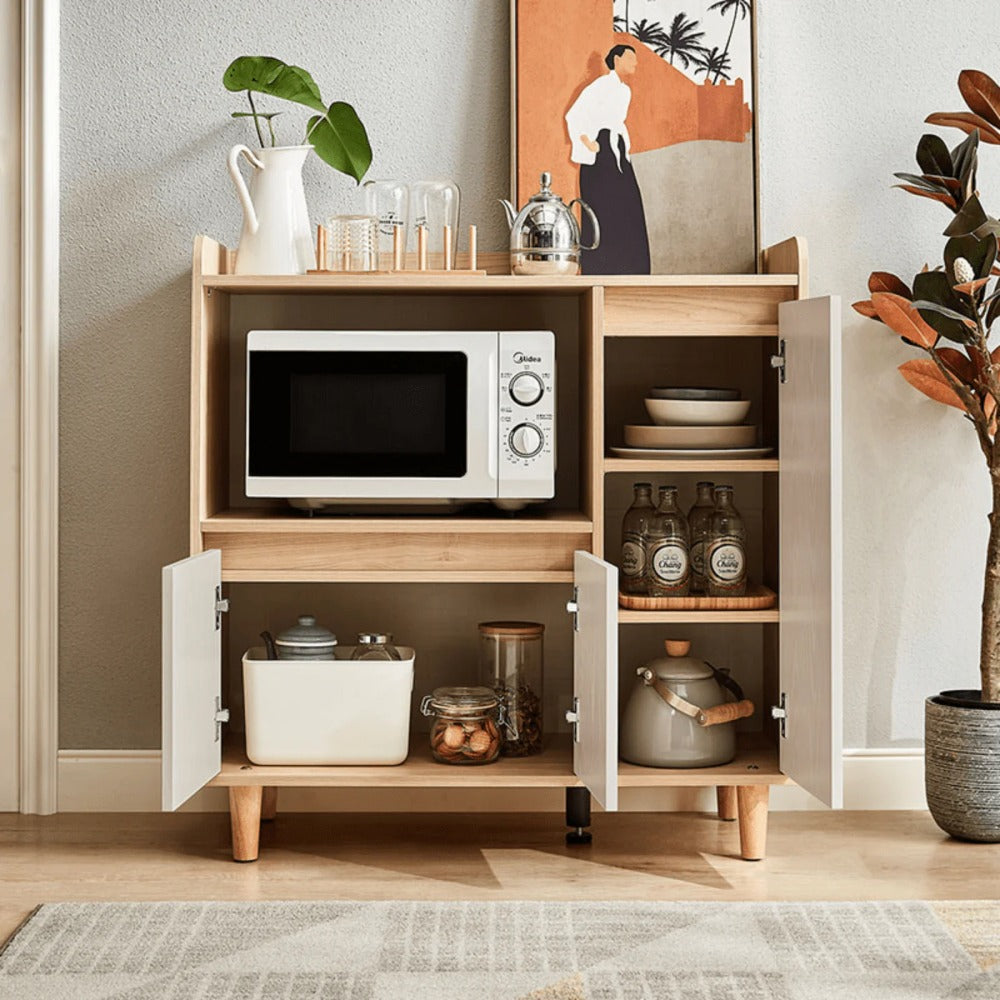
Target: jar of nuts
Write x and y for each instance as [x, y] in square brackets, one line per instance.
[467, 723]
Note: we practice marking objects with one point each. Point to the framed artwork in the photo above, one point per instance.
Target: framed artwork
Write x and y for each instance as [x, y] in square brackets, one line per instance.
[644, 109]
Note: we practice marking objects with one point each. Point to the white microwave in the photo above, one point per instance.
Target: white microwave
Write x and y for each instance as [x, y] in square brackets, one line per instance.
[401, 417]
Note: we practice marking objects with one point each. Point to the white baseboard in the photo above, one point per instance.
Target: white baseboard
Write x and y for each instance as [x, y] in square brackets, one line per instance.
[129, 781]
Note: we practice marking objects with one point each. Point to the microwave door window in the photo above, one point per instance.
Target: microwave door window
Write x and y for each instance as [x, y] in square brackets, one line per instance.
[365, 414]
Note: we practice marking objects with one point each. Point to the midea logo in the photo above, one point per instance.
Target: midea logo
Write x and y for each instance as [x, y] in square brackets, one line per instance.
[520, 359]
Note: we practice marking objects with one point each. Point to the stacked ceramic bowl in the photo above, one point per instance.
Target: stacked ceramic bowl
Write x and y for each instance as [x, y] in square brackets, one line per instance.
[694, 422]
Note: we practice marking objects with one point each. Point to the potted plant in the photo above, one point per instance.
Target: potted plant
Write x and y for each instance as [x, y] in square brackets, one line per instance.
[946, 313]
[276, 236]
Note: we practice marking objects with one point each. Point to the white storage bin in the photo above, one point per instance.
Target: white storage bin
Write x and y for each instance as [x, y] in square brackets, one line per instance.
[338, 711]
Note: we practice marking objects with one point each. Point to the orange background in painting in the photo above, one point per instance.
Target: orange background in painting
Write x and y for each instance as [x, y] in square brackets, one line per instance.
[561, 45]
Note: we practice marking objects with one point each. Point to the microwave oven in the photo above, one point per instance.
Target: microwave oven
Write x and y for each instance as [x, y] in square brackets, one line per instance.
[406, 418]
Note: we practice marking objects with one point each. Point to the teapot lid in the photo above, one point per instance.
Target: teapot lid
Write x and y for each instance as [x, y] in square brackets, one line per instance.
[677, 665]
[546, 193]
[306, 633]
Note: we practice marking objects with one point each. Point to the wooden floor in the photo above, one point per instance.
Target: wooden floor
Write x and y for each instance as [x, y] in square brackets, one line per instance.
[812, 855]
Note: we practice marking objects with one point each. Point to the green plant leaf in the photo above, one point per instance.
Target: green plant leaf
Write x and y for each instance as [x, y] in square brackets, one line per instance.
[965, 157]
[928, 183]
[266, 115]
[981, 93]
[970, 217]
[933, 156]
[340, 140]
[267, 75]
[980, 253]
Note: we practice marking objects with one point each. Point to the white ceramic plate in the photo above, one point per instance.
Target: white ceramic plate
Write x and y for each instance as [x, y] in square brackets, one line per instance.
[691, 452]
[644, 436]
[697, 412]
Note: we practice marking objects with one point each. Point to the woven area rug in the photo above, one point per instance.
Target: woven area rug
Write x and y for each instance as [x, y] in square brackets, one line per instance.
[514, 951]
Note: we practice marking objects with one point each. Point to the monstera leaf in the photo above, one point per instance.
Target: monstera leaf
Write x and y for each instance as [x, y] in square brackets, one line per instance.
[267, 75]
[340, 139]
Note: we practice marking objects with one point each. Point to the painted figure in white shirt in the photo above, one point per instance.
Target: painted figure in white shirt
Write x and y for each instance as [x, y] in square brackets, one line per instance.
[601, 146]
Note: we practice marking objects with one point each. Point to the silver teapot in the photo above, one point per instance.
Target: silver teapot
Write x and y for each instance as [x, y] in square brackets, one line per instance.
[545, 236]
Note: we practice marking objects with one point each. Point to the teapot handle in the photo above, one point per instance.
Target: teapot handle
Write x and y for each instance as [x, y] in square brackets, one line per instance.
[241, 185]
[584, 207]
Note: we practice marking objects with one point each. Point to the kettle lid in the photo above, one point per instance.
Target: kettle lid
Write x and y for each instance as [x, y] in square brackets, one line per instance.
[546, 193]
[677, 665]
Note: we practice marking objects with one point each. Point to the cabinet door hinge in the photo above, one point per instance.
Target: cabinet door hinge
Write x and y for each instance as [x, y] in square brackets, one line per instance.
[221, 606]
[778, 361]
[221, 715]
[780, 712]
[573, 607]
[573, 717]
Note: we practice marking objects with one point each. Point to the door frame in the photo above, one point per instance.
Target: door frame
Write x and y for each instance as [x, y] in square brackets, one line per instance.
[39, 407]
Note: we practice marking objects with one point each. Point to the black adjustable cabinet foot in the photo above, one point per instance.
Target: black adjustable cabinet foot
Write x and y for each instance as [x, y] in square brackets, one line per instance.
[578, 816]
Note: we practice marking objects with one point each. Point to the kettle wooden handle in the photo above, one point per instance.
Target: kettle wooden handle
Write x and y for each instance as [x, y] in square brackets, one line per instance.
[729, 711]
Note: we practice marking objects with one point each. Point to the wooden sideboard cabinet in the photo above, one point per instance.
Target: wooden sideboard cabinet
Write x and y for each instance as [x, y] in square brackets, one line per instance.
[759, 332]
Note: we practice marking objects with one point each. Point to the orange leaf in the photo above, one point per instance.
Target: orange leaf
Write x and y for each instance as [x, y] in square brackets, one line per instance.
[958, 363]
[924, 376]
[981, 93]
[968, 287]
[883, 281]
[900, 315]
[945, 199]
[967, 122]
[866, 308]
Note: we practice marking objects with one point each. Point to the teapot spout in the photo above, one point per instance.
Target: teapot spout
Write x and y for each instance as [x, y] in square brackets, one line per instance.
[508, 211]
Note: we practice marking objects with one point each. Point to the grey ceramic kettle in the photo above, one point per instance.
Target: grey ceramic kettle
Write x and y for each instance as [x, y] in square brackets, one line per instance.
[682, 712]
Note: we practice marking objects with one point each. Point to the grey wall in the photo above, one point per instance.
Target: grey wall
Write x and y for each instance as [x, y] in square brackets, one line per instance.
[145, 130]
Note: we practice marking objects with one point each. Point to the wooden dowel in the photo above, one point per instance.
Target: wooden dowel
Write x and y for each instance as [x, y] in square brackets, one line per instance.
[321, 247]
[397, 248]
[473, 250]
[422, 248]
[446, 241]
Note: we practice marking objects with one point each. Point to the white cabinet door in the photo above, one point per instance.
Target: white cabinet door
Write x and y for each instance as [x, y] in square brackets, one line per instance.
[192, 676]
[595, 677]
[811, 750]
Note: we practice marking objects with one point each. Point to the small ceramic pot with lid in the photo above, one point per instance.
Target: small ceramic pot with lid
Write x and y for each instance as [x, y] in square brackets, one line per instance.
[682, 712]
[305, 641]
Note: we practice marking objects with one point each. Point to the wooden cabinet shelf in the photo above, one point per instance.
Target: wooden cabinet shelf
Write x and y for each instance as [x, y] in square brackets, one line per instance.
[694, 465]
[755, 764]
[626, 617]
[278, 546]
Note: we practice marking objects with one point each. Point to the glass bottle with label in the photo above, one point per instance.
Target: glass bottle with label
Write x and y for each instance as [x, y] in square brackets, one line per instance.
[700, 523]
[668, 546]
[635, 527]
[725, 553]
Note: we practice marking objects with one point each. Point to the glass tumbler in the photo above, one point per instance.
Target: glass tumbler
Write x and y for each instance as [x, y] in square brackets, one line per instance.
[511, 664]
[434, 205]
[388, 201]
[351, 243]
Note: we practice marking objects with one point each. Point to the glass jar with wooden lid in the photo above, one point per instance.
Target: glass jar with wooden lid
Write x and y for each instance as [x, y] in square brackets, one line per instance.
[511, 663]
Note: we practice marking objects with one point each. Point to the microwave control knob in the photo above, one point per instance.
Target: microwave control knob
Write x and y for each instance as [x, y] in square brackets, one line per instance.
[526, 440]
[526, 388]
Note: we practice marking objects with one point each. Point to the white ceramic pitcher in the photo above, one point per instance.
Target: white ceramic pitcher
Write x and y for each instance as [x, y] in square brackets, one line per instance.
[276, 237]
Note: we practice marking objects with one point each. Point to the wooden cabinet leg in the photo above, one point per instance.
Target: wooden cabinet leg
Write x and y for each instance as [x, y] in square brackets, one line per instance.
[244, 815]
[269, 803]
[726, 796]
[751, 801]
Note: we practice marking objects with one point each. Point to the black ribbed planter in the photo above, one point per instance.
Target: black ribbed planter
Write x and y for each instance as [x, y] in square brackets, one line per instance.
[962, 765]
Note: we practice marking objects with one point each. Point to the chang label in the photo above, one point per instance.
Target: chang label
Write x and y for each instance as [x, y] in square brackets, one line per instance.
[633, 562]
[670, 564]
[725, 562]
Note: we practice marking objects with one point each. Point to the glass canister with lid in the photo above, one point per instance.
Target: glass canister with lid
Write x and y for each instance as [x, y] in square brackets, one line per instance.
[466, 726]
[375, 646]
[511, 664]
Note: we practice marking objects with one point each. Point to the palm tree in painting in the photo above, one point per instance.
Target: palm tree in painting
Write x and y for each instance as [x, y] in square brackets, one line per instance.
[618, 23]
[681, 39]
[712, 61]
[740, 9]
[648, 32]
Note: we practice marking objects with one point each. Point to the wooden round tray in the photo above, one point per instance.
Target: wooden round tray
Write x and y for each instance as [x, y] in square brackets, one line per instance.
[758, 597]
